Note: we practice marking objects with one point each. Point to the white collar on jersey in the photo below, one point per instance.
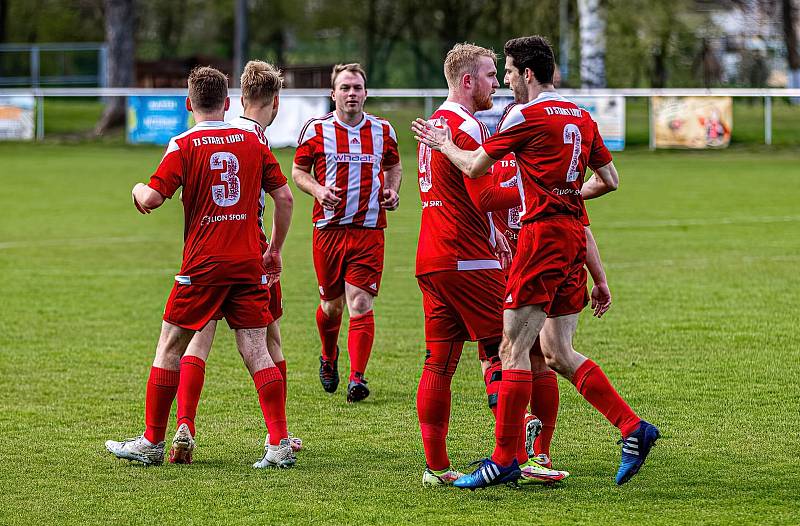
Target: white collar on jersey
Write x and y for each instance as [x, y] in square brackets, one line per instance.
[454, 106]
[546, 96]
[356, 127]
[211, 124]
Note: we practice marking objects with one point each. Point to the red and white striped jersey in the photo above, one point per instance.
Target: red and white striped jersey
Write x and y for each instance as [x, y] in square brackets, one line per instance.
[454, 234]
[353, 159]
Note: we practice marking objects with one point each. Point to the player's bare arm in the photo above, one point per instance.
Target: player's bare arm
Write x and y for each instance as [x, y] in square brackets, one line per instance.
[391, 190]
[145, 198]
[281, 219]
[326, 195]
[474, 163]
[604, 180]
[601, 295]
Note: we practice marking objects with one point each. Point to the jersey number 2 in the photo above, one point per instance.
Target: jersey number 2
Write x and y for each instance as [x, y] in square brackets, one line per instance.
[572, 135]
[226, 194]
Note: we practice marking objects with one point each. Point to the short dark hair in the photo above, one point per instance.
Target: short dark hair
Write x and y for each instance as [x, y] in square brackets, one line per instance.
[535, 53]
[208, 89]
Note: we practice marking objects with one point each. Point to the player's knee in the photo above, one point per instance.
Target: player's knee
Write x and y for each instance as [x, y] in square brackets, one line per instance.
[333, 308]
[361, 304]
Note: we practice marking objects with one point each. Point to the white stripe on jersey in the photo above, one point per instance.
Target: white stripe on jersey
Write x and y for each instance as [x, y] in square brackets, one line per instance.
[471, 126]
[371, 219]
[353, 176]
[478, 264]
[329, 145]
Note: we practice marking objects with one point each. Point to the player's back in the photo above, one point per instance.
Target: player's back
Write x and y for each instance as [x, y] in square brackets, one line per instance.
[222, 170]
[454, 235]
[554, 141]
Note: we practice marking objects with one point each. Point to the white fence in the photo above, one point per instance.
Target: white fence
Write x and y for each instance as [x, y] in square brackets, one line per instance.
[428, 95]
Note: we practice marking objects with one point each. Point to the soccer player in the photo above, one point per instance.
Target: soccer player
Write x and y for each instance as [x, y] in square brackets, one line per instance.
[498, 193]
[458, 269]
[554, 141]
[356, 177]
[261, 84]
[222, 170]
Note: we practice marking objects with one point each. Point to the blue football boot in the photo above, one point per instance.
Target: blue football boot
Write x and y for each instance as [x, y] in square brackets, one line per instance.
[488, 474]
[635, 449]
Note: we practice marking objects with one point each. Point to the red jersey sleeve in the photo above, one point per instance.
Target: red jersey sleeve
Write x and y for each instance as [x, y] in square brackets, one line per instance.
[304, 155]
[599, 155]
[513, 133]
[168, 177]
[390, 155]
[272, 177]
[487, 196]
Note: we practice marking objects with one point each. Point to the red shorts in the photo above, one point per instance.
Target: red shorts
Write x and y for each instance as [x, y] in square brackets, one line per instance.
[548, 269]
[243, 306]
[462, 305]
[351, 254]
[275, 303]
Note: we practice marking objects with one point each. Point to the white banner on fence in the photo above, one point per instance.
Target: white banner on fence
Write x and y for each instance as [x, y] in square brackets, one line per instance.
[293, 113]
[16, 118]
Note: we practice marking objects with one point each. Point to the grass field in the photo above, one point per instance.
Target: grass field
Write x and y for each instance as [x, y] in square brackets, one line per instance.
[701, 249]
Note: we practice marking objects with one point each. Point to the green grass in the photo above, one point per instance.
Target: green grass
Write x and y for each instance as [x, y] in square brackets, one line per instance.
[701, 250]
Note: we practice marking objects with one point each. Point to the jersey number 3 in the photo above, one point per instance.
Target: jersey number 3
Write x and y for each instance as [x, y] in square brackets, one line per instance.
[572, 135]
[226, 194]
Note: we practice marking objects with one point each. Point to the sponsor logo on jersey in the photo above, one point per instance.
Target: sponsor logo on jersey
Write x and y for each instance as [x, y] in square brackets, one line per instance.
[353, 157]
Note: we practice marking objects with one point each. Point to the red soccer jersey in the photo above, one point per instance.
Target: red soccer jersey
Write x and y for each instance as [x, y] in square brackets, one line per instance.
[351, 158]
[504, 175]
[222, 170]
[454, 234]
[554, 142]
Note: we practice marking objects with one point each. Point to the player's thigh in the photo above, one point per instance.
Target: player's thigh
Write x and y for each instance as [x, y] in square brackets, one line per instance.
[328, 249]
[200, 346]
[359, 301]
[557, 334]
[364, 259]
[274, 345]
[252, 345]
[521, 326]
[172, 343]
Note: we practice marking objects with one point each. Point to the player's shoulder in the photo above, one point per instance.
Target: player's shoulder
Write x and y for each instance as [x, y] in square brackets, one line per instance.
[309, 129]
[252, 127]
[382, 124]
[461, 120]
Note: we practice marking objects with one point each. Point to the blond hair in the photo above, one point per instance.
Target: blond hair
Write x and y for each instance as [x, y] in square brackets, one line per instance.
[261, 81]
[463, 59]
[354, 67]
[208, 89]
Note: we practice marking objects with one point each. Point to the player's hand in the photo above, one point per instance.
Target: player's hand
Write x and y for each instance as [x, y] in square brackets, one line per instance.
[601, 299]
[140, 207]
[326, 195]
[390, 199]
[503, 250]
[432, 134]
[273, 265]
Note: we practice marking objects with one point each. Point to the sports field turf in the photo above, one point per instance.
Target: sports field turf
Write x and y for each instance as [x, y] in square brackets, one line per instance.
[701, 249]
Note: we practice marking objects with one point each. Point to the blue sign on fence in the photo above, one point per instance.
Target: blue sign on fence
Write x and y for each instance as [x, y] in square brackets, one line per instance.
[156, 119]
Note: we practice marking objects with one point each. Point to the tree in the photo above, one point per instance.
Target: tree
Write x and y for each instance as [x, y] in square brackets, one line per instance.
[790, 36]
[592, 22]
[120, 30]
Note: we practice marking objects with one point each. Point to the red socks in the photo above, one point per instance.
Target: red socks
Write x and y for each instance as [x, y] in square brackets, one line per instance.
[270, 386]
[433, 400]
[161, 388]
[193, 374]
[282, 368]
[359, 342]
[328, 333]
[544, 404]
[515, 392]
[594, 386]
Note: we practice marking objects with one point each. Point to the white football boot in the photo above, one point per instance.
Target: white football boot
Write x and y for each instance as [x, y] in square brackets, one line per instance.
[182, 446]
[445, 477]
[280, 456]
[139, 449]
[296, 443]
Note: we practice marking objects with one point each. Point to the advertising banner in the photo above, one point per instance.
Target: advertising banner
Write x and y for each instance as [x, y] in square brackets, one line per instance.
[293, 113]
[607, 111]
[691, 122]
[156, 119]
[17, 118]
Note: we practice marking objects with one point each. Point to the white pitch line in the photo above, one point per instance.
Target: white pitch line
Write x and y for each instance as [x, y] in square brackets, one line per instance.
[665, 223]
[76, 242]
